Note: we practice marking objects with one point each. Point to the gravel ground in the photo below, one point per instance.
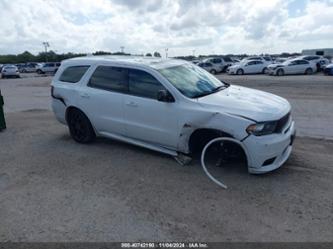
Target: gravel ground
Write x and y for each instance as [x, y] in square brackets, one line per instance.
[53, 189]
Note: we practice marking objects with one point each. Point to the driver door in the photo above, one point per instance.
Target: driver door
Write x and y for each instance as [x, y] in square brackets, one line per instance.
[145, 117]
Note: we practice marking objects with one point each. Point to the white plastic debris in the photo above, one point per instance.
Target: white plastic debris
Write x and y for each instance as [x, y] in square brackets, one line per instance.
[203, 154]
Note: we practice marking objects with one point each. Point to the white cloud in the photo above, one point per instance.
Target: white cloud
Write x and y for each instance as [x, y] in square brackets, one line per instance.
[220, 26]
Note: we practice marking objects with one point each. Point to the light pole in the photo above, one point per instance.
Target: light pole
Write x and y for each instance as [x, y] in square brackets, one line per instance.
[46, 45]
[122, 49]
[166, 53]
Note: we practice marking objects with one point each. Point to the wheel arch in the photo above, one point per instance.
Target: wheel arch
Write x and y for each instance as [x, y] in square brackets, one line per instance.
[201, 136]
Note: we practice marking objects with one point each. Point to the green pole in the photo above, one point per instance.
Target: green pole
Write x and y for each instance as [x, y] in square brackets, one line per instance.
[2, 116]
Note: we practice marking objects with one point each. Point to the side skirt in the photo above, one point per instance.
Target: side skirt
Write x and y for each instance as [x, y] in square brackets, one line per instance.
[139, 143]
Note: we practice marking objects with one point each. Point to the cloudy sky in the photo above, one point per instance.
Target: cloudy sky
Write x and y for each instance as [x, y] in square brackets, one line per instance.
[141, 26]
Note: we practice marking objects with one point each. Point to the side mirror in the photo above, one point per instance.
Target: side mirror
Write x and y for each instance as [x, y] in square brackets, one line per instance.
[164, 96]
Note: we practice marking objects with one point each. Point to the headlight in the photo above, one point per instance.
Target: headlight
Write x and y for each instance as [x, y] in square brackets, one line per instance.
[263, 128]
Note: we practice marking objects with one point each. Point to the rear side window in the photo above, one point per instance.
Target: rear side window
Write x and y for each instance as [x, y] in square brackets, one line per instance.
[109, 78]
[73, 74]
[143, 84]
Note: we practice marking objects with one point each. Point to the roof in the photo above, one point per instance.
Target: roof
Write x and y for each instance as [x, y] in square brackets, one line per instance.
[152, 62]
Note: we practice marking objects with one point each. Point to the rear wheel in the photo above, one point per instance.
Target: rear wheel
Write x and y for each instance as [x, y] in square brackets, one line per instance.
[80, 127]
[280, 72]
[240, 72]
[308, 71]
[265, 70]
[39, 71]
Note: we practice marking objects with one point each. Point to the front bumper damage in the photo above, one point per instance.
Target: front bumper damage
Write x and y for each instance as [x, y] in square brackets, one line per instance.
[267, 153]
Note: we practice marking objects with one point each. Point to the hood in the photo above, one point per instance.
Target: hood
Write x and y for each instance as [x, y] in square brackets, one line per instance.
[253, 104]
[235, 66]
[276, 65]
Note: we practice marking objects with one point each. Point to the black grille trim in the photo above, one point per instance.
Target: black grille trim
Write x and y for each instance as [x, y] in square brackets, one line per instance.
[282, 122]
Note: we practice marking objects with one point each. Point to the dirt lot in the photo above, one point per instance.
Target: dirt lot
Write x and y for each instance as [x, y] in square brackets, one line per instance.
[52, 189]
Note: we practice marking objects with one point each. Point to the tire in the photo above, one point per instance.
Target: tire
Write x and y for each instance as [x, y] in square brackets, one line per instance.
[240, 72]
[308, 71]
[80, 127]
[24, 71]
[39, 71]
[3, 76]
[265, 70]
[280, 72]
[213, 71]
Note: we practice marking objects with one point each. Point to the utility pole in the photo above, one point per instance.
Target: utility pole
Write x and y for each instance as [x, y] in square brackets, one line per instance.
[46, 45]
[166, 53]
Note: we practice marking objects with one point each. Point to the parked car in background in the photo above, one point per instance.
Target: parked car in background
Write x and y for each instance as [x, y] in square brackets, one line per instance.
[219, 64]
[248, 67]
[265, 59]
[294, 66]
[10, 71]
[316, 60]
[28, 68]
[48, 67]
[328, 69]
[235, 61]
[170, 106]
[209, 67]
[279, 60]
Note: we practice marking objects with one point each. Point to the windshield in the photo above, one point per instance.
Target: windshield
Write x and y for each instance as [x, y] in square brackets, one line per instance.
[191, 80]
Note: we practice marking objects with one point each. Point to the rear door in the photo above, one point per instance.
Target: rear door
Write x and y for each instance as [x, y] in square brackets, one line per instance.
[146, 118]
[102, 99]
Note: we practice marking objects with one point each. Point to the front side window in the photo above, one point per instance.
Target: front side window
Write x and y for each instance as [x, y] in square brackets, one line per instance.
[73, 74]
[251, 63]
[192, 81]
[143, 84]
[109, 78]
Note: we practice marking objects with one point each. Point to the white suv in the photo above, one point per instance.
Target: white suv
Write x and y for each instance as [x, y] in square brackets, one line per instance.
[49, 67]
[170, 106]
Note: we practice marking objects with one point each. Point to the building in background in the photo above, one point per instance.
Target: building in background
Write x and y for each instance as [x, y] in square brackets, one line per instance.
[319, 51]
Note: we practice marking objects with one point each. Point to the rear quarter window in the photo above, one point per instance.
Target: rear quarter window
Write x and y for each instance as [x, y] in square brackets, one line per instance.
[73, 74]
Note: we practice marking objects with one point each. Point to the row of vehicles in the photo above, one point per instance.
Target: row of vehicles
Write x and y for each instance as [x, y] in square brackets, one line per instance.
[265, 65]
[14, 70]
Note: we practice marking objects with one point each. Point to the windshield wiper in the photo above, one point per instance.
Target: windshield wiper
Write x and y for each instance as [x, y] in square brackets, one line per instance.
[217, 89]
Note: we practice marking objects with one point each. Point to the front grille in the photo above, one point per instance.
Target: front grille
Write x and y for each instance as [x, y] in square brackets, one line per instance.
[281, 123]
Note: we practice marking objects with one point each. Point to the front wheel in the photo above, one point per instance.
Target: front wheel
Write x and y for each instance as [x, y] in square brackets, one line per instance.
[240, 72]
[280, 72]
[308, 71]
[80, 127]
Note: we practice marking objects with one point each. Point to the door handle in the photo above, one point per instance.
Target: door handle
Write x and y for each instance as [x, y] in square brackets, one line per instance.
[85, 95]
[131, 103]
